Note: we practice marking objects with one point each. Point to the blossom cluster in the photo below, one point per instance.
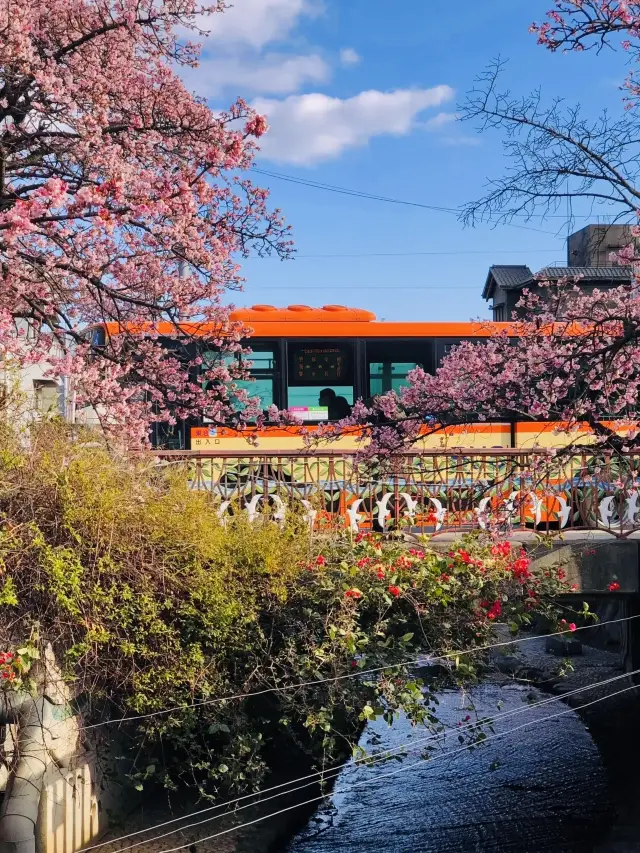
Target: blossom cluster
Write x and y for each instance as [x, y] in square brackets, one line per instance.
[483, 580]
[8, 671]
[121, 203]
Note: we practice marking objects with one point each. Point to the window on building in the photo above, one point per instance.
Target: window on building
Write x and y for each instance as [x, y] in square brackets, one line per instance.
[47, 396]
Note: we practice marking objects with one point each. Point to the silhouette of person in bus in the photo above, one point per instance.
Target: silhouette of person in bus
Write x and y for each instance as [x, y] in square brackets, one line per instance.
[338, 406]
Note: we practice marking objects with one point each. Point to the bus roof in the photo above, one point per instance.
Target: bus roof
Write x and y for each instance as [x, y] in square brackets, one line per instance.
[336, 321]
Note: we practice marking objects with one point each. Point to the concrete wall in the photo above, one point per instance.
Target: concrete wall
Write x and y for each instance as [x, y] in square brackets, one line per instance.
[592, 559]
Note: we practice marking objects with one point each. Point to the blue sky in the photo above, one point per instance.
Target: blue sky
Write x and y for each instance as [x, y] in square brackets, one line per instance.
[362, 94]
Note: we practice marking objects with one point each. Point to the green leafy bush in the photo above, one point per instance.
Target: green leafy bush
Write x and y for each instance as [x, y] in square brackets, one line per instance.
[151, 602]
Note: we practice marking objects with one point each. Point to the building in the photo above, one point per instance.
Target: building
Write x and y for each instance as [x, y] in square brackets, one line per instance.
[29, 393]
[588, 260]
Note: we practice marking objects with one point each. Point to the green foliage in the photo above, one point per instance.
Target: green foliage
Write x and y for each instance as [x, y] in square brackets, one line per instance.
[152, 602]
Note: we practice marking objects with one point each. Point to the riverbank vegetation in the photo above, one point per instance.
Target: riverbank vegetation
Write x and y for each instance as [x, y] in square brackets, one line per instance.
[152, 602]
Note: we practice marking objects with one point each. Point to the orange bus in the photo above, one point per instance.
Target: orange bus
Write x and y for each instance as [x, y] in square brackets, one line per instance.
[314, 361]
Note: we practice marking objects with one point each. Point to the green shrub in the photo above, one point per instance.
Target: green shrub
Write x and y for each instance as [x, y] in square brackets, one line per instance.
[152, 602]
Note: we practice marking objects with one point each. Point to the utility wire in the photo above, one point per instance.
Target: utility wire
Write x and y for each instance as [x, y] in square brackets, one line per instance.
[457, 210]
[332, 772]
[402, 769]
[342, 287]
[413, 254]
[372, 197]
[318, 185]
[356, 674]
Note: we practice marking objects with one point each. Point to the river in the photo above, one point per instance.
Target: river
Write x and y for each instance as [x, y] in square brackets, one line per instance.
[542, 789]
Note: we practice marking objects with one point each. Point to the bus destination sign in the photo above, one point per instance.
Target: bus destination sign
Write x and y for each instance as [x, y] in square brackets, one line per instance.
[319, 364]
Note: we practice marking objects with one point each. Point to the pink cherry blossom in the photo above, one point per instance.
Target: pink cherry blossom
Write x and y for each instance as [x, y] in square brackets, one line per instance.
[572, 358]
[122, 200]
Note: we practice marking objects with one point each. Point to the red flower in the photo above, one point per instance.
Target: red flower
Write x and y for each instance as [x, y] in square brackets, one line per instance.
[395, 591]
[614, 586]
[573, 627]
[320, 560]
[363, 562]
[464, 556]
[495, 611]
[380, 573]
[520, 568]
[502, 549]
[353, 593]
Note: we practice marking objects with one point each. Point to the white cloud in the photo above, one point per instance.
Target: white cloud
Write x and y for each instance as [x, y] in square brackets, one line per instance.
[306, 129]
[440, 120]
[256, 22]
[273, 74]
[348, 56]
[442, 123]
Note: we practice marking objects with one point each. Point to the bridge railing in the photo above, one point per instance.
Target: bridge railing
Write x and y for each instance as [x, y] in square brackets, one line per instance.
[431, 491]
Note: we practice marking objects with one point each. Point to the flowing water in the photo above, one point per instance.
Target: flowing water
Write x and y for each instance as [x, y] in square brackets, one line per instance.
[541, 789]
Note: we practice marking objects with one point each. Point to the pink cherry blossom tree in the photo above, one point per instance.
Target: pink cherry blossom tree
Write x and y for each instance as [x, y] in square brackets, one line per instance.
[122, 200]
[572, 356]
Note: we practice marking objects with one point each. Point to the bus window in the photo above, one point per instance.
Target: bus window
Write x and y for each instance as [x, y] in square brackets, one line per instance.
[320, 380]
[389, 363]
[388, 376]
[262, 372]
[97, 336]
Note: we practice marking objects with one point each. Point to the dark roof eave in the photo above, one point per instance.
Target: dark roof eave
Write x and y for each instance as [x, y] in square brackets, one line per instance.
[489, 286]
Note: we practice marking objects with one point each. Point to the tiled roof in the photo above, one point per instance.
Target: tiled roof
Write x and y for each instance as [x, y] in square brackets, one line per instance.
[506, 277]
[617, 273]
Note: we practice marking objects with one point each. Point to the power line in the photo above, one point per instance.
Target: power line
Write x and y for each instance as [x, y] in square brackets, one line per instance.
[414, 254]
[457, 210]
[329, 774]
[356, 674]
[394, 287]
[317, 185]
[403, 769]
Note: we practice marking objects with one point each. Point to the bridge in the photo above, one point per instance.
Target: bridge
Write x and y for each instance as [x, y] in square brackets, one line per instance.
[433, 492]
[581, 510]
